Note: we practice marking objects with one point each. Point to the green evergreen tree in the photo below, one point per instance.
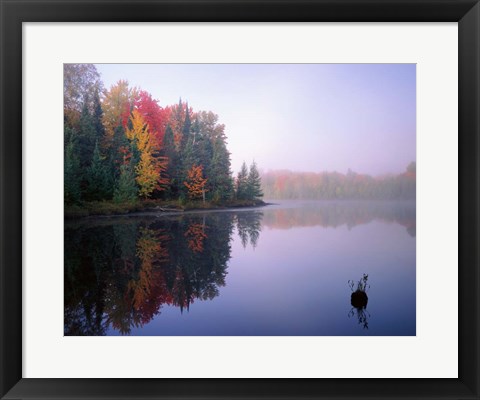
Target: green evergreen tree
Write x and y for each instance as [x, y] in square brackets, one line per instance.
[117, 151]
[170, 152]
[98, 182]
[242, 187]
[135, 153]
[188, 152]
[221, 183]
[71, 173]
[68, 134]
[126, 190]
[211, 152]
[254, 183]
[97, 117]
[187, 126]
[86, 137]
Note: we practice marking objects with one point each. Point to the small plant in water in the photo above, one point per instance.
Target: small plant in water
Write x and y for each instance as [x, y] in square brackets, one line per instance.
[362, 285]
[359, 300]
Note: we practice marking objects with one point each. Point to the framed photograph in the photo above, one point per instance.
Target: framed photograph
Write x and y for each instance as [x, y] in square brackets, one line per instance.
[220, 199]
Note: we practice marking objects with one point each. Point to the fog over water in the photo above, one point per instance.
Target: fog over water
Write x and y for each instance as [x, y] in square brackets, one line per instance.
[300, 117]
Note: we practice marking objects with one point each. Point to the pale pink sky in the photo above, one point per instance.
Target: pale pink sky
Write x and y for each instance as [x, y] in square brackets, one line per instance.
[302, 117]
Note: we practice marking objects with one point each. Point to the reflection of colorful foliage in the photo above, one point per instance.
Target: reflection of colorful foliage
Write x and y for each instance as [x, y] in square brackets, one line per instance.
[143, 266]
[196, 235]
[150, 282]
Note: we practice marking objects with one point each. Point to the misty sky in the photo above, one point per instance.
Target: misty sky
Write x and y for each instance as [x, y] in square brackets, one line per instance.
[301, 117]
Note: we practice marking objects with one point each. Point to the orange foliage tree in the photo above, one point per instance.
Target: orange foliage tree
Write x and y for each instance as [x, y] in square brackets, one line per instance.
[196, 182]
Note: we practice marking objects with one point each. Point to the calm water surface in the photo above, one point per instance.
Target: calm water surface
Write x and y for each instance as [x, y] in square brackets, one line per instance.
[277, 270]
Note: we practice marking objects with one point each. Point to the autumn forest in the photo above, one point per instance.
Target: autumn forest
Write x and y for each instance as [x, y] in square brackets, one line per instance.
[122, 147]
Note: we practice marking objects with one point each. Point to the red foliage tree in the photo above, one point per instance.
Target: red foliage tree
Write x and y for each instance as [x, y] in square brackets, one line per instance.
[155, 116]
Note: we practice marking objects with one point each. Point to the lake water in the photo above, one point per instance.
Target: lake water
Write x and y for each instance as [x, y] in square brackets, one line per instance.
[282, 269]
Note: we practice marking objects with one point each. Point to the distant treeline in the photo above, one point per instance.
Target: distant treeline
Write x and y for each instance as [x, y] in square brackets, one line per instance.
[334, 185]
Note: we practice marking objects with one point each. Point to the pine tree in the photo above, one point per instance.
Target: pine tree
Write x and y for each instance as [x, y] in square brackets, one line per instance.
[86, 137]
[71, 173]
[187, 126]
[118, 151]
[126, 189]
[188, 157]
[221, 183]
[211, 152]
[254, 184]
[98, 185]
[242, 187]
[97, 117]
[169, 151]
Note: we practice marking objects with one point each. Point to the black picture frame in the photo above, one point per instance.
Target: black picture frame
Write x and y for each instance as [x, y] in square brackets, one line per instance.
[15, 12]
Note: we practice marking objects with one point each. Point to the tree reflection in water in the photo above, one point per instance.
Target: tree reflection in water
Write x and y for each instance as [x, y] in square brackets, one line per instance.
[249, 225]
[119, 273]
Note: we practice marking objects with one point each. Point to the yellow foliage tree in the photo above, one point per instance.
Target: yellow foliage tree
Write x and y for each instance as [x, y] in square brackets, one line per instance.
[150, 168]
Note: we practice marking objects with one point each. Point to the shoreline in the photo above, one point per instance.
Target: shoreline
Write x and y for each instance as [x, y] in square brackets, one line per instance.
[94, 210]
[157, 208]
